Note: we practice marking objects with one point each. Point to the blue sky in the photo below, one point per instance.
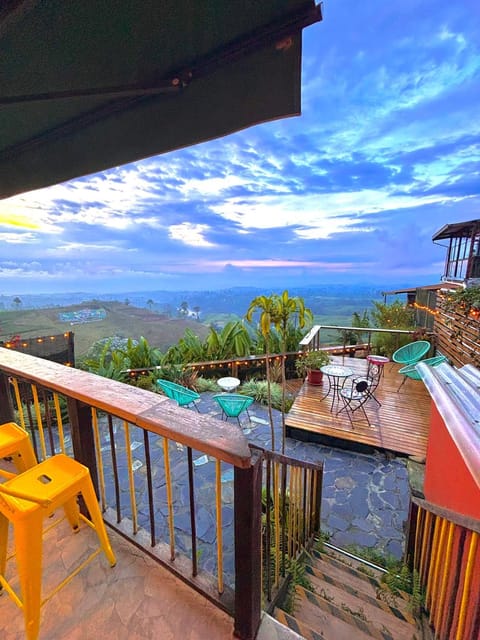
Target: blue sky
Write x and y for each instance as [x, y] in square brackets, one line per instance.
[386, 152]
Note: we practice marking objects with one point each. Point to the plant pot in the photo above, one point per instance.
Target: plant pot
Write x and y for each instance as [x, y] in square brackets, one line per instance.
[314, 376]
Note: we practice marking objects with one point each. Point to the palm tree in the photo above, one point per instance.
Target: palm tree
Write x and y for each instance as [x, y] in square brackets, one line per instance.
[183, 308]
[17, 302]
[266, 305]
[150, 303]
[286, 309]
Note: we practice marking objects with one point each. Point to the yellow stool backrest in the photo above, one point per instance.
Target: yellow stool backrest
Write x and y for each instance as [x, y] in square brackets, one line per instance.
[15, 443]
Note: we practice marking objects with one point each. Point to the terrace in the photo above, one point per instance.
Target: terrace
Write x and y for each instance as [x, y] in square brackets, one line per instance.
[206, 567]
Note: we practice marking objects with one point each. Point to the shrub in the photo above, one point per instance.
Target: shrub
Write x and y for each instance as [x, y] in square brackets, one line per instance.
[258, 390]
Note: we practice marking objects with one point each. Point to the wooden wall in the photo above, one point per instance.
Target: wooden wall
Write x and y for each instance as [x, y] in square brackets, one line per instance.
[457, 334]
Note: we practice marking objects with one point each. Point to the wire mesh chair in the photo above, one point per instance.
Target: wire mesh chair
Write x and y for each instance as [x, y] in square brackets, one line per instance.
[233, 404]
[354, 397]
[182, 395]
[411, 353]
[411, 371]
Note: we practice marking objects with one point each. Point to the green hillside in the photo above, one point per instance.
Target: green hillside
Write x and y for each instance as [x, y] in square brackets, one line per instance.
[120, 320]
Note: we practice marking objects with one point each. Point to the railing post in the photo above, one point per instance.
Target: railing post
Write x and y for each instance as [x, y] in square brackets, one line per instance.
[248, 536]
[7, 413]
[82, 436]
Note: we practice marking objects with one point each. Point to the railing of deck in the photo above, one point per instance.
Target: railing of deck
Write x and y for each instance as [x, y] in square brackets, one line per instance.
[183, 486]
[444, 552]
[313, 340]
[291, 505]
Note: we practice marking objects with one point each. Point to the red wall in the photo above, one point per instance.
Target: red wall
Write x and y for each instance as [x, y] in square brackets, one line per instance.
[448, 482]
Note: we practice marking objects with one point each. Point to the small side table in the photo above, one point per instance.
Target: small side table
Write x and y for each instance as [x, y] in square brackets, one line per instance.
[228, 384]
[336, 375]
[375, 366]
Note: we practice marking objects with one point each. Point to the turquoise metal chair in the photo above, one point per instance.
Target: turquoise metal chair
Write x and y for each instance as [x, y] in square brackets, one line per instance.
[233, 404]
[182, 395]
[411, 371]
[411, 352]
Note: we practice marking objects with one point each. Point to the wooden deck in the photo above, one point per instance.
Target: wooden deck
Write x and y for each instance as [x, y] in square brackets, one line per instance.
[400, 425]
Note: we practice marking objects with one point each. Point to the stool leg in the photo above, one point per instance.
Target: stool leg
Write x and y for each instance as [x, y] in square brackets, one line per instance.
[28, 547]
[26, 459]
[91, 502]
[72, 512]
[3, 545]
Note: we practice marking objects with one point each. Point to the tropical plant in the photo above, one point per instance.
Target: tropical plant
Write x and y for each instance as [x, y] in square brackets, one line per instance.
[288, 312]
[108, 364]
[139, 354]
[311, 361]
[391, 316]
[258, 389]
[232, 341]
[266, 306]
[190, 348]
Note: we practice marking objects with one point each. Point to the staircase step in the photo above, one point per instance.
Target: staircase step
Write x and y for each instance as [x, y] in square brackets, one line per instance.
[344, 572]
[297, 625]
[332, 622]
[344, 559]
[322, 573]
[377, 611]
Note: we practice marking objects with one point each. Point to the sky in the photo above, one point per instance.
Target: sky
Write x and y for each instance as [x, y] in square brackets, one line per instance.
[385, 152]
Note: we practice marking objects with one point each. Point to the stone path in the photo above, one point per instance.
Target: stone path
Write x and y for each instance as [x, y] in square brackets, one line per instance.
[365, 497]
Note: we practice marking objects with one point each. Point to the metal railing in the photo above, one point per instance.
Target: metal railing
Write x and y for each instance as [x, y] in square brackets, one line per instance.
[313, 340]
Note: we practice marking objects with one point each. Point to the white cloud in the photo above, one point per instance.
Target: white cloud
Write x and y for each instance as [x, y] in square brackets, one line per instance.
[190, 234]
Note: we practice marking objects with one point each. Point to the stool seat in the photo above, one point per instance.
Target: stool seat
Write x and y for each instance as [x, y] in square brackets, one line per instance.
[15, 443]
[25, 501]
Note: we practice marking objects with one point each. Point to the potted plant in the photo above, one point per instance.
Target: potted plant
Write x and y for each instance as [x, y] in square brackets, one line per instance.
[310, 363]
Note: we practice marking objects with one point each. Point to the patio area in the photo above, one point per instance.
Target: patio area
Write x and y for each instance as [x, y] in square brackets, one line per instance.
[365, 502]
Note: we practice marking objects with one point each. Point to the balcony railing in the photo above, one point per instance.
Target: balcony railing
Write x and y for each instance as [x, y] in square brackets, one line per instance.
[183, 486]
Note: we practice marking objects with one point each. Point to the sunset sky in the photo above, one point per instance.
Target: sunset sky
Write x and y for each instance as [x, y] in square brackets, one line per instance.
[385, 153]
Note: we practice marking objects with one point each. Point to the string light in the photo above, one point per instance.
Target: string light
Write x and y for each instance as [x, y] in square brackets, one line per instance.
[421, 307]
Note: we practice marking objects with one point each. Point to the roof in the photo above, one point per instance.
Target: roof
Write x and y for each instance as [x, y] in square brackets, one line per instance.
[89, 85]
[427, 287]
[457, 230]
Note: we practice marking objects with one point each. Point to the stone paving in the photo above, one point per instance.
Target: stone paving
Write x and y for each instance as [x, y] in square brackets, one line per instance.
[365, 497]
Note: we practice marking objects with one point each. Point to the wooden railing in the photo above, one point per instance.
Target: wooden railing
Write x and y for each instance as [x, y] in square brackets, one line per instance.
[157, 466]
[443, 551]
[291, 511]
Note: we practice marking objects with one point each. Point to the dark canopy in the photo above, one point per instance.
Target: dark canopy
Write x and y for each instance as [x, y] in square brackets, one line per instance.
[86, 85]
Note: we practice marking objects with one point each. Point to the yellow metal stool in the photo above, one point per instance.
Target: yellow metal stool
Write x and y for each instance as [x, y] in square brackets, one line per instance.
[15, 443]
[25, 501]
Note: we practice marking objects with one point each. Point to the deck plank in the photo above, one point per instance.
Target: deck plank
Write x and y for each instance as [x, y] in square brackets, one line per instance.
[400, 425]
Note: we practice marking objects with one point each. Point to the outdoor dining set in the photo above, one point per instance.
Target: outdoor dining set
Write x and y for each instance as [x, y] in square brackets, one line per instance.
[348, 392]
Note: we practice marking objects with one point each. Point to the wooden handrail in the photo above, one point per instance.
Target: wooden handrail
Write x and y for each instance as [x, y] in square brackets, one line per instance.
[452, 516]
[137, 406]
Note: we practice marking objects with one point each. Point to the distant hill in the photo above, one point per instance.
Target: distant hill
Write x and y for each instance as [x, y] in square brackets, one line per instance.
[120, 319]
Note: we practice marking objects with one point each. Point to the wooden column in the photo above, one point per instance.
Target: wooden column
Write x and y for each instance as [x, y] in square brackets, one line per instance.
[248, 541]
[7, 413]
[82, 436]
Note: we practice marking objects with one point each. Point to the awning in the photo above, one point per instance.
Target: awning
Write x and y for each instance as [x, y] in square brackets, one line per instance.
[92, 84]
[457, 230]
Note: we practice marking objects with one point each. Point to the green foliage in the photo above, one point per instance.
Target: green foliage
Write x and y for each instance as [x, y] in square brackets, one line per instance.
[190, 348]
[312, 360]
[258, 389]
[206, 384]
[391, 316]
[298, 576]
[108, 364]
[139, 354]
[464, 300]
[232, 341]
[143, 382]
